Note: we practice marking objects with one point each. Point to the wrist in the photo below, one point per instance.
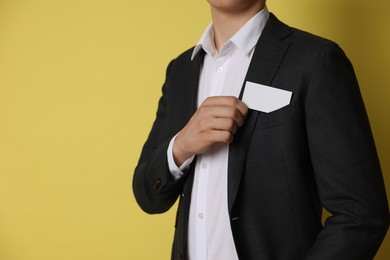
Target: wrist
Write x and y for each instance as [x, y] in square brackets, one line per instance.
[179, 154]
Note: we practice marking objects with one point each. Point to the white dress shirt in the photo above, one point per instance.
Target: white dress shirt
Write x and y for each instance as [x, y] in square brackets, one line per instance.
[209, 232]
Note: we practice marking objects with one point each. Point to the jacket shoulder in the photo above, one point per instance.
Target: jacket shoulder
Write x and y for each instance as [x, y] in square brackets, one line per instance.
[297, 37]
[308, 40]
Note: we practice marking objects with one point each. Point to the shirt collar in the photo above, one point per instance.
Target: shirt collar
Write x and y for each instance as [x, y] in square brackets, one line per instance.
[245, 39]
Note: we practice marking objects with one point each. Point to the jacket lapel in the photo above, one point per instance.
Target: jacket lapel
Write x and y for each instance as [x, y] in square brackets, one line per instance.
[195, 76]
[269, 53]
[185, 91]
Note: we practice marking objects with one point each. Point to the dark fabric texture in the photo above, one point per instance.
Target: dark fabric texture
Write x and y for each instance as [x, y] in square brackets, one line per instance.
[284, 166]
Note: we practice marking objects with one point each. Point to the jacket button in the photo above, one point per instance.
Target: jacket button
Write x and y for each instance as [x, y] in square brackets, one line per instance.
[157, 183]
[180, 254]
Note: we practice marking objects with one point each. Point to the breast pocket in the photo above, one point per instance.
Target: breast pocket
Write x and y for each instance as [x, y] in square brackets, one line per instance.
[276, 118]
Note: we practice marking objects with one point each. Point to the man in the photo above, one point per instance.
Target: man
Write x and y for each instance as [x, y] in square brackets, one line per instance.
[252, 182]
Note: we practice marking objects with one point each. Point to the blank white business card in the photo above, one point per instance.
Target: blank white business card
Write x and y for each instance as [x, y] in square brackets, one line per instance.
[265, 98]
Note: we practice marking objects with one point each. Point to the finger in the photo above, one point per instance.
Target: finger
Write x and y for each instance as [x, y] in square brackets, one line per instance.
[228, 112]
[218, 136]
[242, 107]
[221, 124]
[220, 101]
[227, 101]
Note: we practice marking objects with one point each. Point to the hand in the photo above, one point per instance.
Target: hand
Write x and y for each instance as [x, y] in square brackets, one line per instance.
[215, 121]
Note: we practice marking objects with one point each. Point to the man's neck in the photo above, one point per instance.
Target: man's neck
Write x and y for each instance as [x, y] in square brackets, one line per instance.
[227, 23]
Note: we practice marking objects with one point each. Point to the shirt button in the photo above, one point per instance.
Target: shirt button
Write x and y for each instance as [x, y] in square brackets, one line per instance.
[201, 215]
[220, 69]
[204, 165]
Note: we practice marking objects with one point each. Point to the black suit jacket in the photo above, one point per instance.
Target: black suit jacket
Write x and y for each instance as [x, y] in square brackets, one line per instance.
[284, 166]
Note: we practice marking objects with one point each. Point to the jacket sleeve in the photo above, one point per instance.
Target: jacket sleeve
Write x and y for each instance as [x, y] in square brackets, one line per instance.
[345, 163]
[153, 185]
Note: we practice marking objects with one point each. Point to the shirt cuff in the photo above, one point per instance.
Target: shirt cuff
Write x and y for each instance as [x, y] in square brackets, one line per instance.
[176, 171]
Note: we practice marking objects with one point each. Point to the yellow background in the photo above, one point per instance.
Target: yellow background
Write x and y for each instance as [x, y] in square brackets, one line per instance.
[79, 84]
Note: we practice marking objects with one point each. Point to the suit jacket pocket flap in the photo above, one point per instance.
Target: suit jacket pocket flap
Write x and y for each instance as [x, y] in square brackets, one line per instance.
[277, 117]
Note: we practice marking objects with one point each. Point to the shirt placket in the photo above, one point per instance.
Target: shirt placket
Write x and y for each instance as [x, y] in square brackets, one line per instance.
[201, 207]
[219, 72]
[215, 89]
